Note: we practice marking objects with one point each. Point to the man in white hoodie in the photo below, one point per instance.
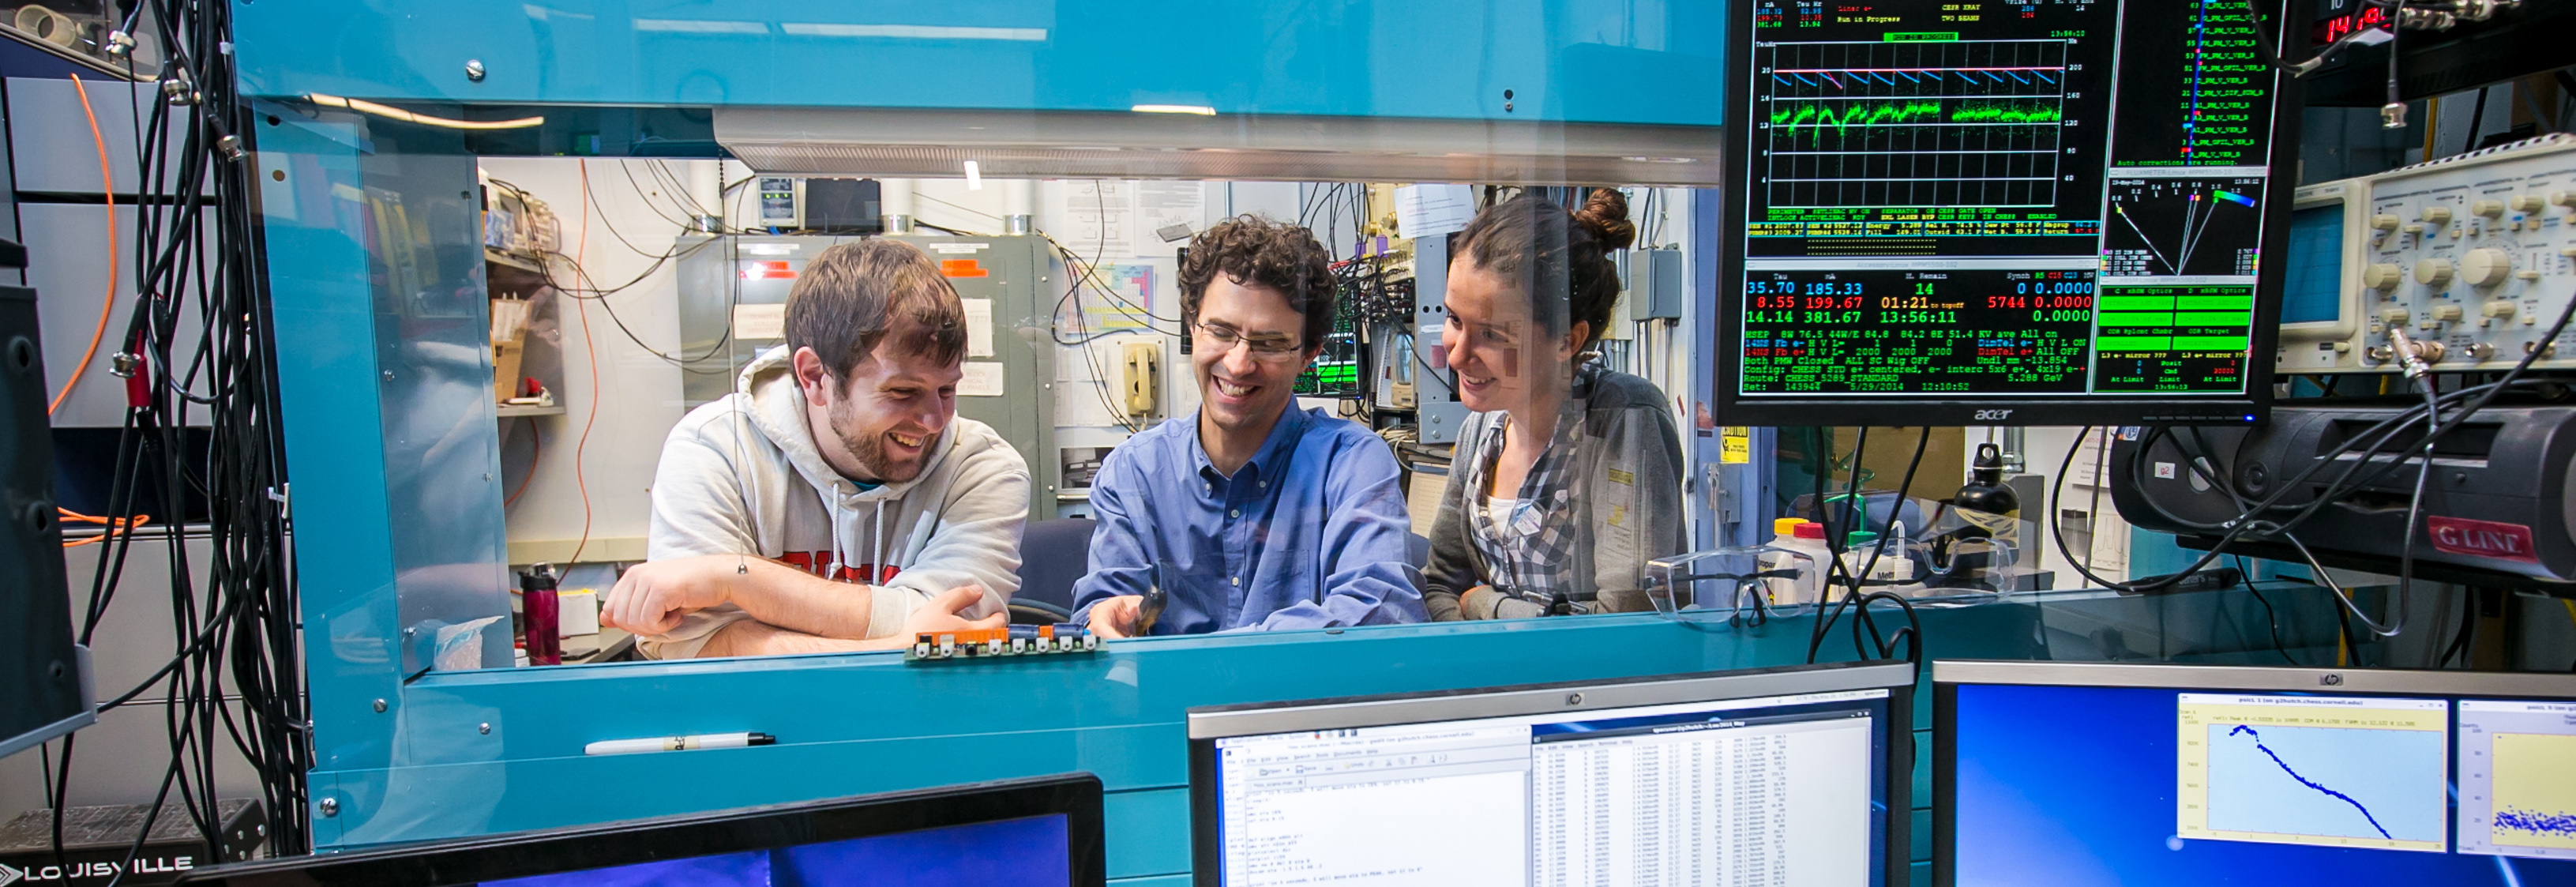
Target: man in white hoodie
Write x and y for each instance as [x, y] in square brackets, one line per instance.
[835, 502]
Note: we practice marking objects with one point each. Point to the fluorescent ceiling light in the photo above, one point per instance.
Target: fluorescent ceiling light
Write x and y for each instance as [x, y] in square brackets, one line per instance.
[1201, 110]
[699, 26]
[914, 32]
[974, 176]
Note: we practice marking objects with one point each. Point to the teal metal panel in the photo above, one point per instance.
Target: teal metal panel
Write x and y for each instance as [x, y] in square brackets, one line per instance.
[1595, 61]
[1922, 836]
[314, 223]
[384, 388]
[851, 724]
[1923, 752]
[1154, 881]
[1154, 812]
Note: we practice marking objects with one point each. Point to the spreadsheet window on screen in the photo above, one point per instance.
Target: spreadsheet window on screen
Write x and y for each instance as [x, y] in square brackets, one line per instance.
[2148, 785]
[2044, 199]
[1776, 790]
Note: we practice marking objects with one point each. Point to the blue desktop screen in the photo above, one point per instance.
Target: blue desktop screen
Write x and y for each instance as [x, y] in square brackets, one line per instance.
[2073, 786]
[1030, 852]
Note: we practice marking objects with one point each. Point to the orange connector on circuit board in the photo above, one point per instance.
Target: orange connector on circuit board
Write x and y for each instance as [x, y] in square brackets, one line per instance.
[1016, 640]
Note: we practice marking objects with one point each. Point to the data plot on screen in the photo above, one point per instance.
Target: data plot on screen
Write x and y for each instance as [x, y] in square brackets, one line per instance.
[1921, 124]
[2326, 771]
[2518, 778]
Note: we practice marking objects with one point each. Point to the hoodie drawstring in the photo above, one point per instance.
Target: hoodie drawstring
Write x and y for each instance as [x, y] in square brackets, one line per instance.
[832, 504]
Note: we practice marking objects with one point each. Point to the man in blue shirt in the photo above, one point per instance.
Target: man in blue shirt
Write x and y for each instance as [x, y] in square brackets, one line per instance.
[1270, 517]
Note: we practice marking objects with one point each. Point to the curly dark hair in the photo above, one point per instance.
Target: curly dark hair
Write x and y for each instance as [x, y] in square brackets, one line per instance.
[1254, 251]
[1561, 259]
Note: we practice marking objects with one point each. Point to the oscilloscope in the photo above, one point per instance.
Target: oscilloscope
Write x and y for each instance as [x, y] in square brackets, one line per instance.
[2003, 213]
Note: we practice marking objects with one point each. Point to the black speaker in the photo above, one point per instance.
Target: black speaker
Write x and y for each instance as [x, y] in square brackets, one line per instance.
[41, 696]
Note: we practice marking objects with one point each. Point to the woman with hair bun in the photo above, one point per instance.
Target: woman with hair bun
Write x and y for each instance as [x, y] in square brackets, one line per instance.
[1567, 477]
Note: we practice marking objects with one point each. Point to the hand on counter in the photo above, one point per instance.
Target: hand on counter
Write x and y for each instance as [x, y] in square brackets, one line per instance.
[1115, 617]
[652, 596]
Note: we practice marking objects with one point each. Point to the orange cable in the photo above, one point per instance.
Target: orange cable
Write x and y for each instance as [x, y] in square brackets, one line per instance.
[536, 452]
[107, 188]
[113, 524]
[581, 307]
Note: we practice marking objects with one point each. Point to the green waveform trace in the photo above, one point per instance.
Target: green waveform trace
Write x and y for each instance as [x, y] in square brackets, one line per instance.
[1817, 116]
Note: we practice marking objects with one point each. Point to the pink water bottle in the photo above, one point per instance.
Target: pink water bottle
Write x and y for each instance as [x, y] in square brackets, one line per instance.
[543, 615]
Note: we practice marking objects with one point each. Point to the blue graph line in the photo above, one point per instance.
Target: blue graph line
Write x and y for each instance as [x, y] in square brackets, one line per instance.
[2559, 824]
[2294, 774]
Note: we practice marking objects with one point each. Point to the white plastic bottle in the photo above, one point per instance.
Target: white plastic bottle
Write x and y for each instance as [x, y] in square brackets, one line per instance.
[1807, 538]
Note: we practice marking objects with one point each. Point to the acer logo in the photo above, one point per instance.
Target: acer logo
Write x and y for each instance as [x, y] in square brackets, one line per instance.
[2480, 538]
[1993, 415]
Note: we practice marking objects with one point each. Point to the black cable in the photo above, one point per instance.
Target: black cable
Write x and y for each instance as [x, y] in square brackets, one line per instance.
[2460, 637]
[2271, 620]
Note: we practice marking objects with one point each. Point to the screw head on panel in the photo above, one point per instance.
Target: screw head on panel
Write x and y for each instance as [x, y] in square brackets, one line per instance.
[474, 70]
[380, 705]
[330, 807]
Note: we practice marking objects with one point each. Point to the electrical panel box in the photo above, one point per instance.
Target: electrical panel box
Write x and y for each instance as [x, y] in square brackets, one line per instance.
[2474, 255]
[1654, 279]
[733, 304]
[1435, 392]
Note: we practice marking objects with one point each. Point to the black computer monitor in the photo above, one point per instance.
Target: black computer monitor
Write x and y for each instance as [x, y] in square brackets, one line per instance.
[1793, 775]
[1022, 832]
[2072, 773]
[2003, 214]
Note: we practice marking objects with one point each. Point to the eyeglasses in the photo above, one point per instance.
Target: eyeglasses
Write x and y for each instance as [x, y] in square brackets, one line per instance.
[1219, 337]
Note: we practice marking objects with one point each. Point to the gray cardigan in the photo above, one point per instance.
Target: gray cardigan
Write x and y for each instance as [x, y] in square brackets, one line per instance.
[1627, 493]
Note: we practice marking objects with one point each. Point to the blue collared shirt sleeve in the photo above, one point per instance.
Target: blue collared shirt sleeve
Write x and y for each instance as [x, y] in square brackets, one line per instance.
[1119, 564]
[1369, 578]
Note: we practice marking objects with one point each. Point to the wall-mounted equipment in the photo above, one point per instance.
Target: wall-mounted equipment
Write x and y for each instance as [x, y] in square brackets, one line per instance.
[1939, 221]
[1654, 282]
[819, 205]
[1141, 364]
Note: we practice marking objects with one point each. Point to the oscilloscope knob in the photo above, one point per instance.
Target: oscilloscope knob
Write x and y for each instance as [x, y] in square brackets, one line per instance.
[2436, 215]
[2526, 203]
[2486, 267]
[2562, 198]
[2446, 313]
[2382, 276]
[2493, 209]
[2386, 222]
[2434, 273]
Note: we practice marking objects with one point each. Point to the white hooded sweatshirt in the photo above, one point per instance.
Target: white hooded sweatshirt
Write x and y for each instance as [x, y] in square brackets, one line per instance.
[742, 476]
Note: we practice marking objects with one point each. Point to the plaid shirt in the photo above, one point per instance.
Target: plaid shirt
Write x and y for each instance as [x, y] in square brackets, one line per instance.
[1530, 555]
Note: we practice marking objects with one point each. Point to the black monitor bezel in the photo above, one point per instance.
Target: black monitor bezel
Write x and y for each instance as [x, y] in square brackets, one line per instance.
[2248, 408]
[1896, 820]
[1075, 796]
[2258, 679]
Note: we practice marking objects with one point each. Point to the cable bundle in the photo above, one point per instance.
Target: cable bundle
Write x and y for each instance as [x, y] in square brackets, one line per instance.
[234, 677]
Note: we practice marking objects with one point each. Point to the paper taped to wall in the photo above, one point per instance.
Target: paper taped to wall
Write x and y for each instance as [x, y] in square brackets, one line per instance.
[757, 322]
[983, 378]
[979, 327]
